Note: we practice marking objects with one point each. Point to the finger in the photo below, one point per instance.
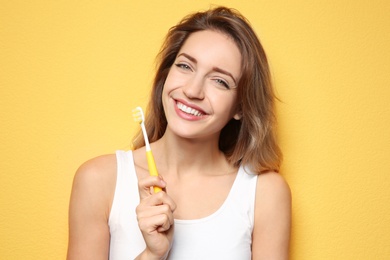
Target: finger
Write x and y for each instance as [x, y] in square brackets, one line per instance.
[147, 212]
[145, 185]
[161, 198]
[165, 226]
[154, 223]
[154, 200]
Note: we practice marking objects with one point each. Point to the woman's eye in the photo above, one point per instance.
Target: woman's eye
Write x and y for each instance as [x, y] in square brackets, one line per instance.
[183, 66]
[222, 83]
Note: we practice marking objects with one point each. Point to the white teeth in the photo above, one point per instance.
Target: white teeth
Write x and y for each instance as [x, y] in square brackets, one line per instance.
[188, 110]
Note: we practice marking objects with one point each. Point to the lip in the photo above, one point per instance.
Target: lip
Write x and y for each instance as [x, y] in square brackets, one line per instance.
[187, 116]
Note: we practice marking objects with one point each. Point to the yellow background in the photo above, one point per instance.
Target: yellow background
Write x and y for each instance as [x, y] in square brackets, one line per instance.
[71, 71]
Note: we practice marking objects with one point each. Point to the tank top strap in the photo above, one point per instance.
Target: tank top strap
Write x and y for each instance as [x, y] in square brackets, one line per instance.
[243, 193]
[126, 240]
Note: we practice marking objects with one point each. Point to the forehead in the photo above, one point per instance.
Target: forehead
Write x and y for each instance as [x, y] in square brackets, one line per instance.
[213, 48]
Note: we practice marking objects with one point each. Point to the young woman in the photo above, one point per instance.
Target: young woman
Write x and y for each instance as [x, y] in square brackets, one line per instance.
[212, 129]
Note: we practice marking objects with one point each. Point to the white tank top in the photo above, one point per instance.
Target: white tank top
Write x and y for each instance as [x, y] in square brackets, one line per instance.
[225, 234]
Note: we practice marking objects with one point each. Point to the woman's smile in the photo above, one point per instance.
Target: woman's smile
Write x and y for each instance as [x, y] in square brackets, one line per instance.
[188, 110]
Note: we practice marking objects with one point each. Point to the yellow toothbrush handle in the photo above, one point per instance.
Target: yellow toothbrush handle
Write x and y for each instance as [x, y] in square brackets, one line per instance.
[152, 168]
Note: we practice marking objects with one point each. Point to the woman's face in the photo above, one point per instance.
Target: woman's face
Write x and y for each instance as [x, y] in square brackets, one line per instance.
[200, 91]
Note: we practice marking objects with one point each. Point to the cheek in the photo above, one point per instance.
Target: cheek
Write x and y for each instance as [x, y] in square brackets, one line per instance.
[227, 104]
[169, 83]
[168, 86]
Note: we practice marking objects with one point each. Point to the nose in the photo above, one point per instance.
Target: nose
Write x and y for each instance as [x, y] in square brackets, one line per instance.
[194, 88]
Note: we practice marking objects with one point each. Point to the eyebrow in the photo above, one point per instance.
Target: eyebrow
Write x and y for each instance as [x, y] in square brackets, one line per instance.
[216, 69]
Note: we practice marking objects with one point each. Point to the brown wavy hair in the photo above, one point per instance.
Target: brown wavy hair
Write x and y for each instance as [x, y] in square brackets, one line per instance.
[250, 141]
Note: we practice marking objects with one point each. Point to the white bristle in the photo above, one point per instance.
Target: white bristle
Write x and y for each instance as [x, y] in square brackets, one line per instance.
[138, 115]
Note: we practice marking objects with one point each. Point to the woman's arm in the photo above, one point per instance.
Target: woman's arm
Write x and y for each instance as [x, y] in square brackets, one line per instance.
[271, 235]
[90, 204]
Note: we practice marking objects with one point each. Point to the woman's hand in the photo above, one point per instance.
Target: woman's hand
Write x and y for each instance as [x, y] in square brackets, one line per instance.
[155, 218]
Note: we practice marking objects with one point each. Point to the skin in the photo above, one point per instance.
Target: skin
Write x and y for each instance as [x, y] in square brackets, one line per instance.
[203, 77]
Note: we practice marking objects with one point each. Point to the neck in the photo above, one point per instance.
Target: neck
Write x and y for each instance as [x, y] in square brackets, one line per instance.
[180, 155]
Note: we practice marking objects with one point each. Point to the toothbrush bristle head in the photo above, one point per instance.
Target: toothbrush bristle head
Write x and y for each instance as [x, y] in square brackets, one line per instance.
[138, 115]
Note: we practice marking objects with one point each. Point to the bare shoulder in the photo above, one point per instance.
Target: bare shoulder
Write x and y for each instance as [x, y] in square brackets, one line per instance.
[273, 197]
[101, 166]
[272, 186]
[271, 234]
[96, 178]
[90, 204]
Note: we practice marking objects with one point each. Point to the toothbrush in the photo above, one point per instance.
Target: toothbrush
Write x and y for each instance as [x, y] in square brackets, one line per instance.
[139, 117]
